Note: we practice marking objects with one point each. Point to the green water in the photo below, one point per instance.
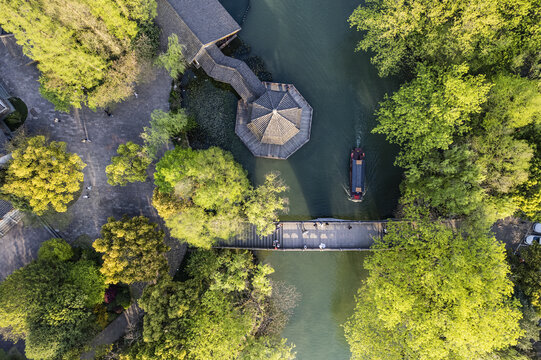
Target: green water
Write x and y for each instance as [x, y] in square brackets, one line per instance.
[309, 43]
[327, 283]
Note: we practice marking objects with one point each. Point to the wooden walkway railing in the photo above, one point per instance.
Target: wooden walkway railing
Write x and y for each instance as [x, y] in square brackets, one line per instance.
[313, 235]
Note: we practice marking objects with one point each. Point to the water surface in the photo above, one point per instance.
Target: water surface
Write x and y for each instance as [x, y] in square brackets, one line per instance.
[309, 43]
[327, 282]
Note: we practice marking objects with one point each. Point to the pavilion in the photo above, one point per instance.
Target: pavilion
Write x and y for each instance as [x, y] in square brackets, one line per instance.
[273, 119]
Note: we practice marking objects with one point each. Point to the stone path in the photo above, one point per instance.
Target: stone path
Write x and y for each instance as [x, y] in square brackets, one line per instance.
[87, 215]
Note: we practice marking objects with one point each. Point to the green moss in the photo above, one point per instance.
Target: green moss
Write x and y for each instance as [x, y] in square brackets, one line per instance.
[18, 117]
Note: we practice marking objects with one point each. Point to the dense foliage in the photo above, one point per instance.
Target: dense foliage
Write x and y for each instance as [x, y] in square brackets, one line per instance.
[129, 166]
[527, 274]
[217, 313]
[204, 195]
[163, 127]
[88, 52]
[49, 303]
[469, 121]
[55, 250]
[505, 34]
[173, 60]
[132, 250]
[433, 293]
[43, 175]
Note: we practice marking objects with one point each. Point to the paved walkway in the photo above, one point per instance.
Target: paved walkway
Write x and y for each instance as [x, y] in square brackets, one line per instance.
[87, 215]
[319, 234]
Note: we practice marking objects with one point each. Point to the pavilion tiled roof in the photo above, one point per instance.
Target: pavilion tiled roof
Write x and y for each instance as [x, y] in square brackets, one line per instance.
[275, 117]
[198, 23]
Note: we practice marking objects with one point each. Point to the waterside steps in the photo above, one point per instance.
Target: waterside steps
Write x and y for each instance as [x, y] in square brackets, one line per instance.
[312, 235]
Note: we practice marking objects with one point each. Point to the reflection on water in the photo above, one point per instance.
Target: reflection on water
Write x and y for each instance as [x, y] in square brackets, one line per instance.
[327, 282]
[309, 43]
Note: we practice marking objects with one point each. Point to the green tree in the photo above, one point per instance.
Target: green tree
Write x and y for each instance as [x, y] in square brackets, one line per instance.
[514, 101]
[264, 204]
[132, 250]
[173, 59]
[163, 127]
[48, 303]
[426, 113]
[528, 276]
[204, 195]
[129, 166]
[43, 174]
[448, 182]
[214, 314]
[433, 293]
[504, 160]
[212, 187]
[84, 49]
[499, 33]
[55, 250]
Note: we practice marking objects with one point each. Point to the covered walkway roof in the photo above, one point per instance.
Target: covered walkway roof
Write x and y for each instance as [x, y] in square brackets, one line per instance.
[198, 23]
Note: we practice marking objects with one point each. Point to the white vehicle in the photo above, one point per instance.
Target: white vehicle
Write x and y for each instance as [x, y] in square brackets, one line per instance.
[537, 228]
[531, 238]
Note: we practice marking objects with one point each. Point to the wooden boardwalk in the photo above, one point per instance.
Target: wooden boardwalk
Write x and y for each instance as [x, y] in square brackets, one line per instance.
[313, 235]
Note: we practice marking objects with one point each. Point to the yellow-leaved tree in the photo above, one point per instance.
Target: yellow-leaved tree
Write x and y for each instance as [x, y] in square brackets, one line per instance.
[132, 250]
[43, 175]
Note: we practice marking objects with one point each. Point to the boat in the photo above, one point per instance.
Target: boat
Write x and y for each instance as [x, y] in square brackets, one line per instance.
[357, 171]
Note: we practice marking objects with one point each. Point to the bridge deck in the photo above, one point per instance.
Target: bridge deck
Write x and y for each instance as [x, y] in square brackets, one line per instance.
[310, 235]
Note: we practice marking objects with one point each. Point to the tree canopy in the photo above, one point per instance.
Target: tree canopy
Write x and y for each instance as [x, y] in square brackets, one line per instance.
[84, 49]
[129, 166]
[173, 59]
[49, 303]
[216, 313]
[163, 127]
[433, 293]
[425, 114]
[43, 175]
[132, 250]
[485, 33]
[204, 195]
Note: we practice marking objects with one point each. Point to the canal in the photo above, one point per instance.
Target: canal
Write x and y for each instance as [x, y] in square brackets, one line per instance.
[309, 43]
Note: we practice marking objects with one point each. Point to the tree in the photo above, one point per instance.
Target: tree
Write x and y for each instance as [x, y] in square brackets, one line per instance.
[527, 274]
[214, 314]
[204, 196]
[497, 33]
[132, 250]
[164, 126]
[504, 160]
[448, 182]
[433, 293]
[55, 250]
[529, 194]
[173, 59]
[49, 303]
[84, 49]
[212, 187]
[425, 114]
[264, 204]
[43, 174]
[514, 101]
[129, 166]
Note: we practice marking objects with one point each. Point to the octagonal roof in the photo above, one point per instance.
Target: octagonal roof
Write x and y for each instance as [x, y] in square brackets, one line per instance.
[277, 124]
[275, 117]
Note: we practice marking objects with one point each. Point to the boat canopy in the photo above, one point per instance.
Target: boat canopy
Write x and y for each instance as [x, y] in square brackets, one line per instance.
[357, 176]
